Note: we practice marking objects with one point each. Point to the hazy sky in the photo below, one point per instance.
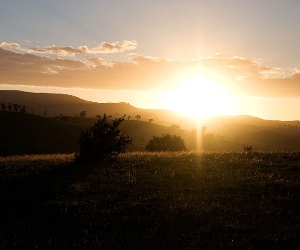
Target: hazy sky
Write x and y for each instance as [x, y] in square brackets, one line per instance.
[226, 56]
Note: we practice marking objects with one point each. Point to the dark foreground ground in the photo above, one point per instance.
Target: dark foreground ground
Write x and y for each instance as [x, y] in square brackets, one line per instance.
[151, 201]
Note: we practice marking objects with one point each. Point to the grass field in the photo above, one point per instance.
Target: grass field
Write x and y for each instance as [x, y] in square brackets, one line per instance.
[151, 201]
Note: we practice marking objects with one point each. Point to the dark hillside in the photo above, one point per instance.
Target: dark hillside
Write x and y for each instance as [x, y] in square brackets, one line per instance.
[262, 134]
[264, 138]
[270, 140]
[226, 133]
[247, 119]
[56, 104]
[28, 134]
[31, 134]
[67, 105]
[141, 132]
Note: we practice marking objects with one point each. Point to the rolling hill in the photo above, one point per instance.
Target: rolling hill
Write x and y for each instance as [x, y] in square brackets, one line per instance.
[262, 134]
[59, 130]
[32, 134]
[68, 105]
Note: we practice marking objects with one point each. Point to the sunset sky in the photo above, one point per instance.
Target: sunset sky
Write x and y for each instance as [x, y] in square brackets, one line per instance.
[196, 57]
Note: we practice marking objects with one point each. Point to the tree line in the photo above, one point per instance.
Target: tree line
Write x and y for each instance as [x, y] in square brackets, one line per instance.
[16, 107]
[83, 114]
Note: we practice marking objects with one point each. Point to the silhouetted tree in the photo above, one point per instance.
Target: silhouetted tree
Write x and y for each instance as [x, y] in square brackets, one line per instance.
[102, 141]
[174, 128]
[98, 116]
[150, 120]
[138, 117]
[45, 113]
[194, 131]
[16, 107]
[9, 106]
[83, 114]
[128, 118]
[166, 143]
[23, 109]
[3, 106]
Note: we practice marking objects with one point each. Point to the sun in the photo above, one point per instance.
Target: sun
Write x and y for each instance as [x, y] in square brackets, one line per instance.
[200, 97]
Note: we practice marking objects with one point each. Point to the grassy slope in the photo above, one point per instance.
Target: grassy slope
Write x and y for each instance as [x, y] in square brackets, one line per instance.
[151, 201]
[261, 134]
[25, 134]
[142, 131]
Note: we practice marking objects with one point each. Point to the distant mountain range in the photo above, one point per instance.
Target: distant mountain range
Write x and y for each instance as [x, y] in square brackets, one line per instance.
[58, 129]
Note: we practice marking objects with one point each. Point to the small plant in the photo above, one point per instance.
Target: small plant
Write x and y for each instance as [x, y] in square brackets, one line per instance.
[166, 143]
[102, 141]
[247, 149]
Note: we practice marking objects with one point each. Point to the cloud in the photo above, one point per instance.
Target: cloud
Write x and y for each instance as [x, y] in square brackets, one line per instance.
[297, 70]
[241, 76]
[55, 50]
[28, 69]
[98, 62]
[10, 46]
[103, 48]
[239, 66]
[114, 47]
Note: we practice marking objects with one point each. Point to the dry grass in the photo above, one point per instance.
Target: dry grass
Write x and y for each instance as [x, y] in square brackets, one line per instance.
[40, 158]
[181, 200]
[22, 165]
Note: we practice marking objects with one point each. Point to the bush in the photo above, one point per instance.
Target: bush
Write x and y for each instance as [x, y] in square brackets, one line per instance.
[166, 143]
[102, 141]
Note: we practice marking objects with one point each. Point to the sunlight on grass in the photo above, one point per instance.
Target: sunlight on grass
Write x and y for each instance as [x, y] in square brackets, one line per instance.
[49, 158]
[22, 165]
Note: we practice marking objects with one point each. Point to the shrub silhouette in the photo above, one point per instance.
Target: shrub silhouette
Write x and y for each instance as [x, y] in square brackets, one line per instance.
[102, 141]
[166, 143]
[83, 114]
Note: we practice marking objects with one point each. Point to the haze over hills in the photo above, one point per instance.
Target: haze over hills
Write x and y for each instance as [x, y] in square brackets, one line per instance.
[224, 133]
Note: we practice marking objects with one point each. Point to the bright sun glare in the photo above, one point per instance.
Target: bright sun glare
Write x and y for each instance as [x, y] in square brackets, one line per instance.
[200, 97]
